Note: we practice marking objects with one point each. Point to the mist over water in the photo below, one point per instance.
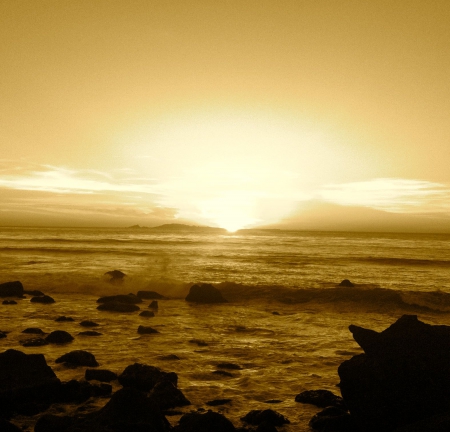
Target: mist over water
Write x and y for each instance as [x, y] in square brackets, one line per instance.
[293, 274]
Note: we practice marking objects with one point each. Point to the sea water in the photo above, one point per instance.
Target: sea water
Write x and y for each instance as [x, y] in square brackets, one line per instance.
[286, 323]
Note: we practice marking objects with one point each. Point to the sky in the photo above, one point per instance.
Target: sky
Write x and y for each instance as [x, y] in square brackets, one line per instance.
[293, 114]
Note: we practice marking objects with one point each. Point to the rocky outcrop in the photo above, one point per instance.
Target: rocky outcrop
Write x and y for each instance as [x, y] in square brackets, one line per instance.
[402, 378]
[320, 398]
[149, 295]
[78, 358]
[207, 422]
[11, 289]
[205, 293]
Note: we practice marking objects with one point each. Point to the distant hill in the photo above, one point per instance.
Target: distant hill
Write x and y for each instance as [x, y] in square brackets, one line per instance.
[181, 228]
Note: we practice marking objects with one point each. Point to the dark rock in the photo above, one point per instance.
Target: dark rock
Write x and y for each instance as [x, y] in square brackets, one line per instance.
[255, 417]
[115, 274]
[2, 335]
[198, 342]
[166, 395]
[9, 302]
[115, 306]
[74, 391]
[147, 314]
[6, 426]
[217, 402]
[144, 377]
[53, 423]
[150, 295]
[78, 358]
[45, 299]
[273, 401]
[33, 342]
[169, 357]
[11, 289]
[63, 319]
[33, 293]
[205, 293]
[146, 330]
[153, 304]
[207, 422]
[320, 398]
[232, 366]
[332, 419]
[266, 427]
[24, 379]
[90, 333]
[275, 313]
[33, 330]
[120, 298]
[402, 378]
[102, 375]
[88, 323]
[59, 337]
[222, 373]
[101, 390]
[129, 410]
[346, 283]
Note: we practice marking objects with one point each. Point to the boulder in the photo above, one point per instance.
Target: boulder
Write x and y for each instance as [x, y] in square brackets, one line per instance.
[148, 314]
[90, 333]
[346, 283]
[59, 337]
[102, 375]
[115, 306]
[33, 330]
[207, 422]
[320, 398]
[88, 323]
[144, 377]
[146, 330]
[255, 417]
[45, 299]
[11, 289]
[205, 293]
[78, 358]
[166, 395]
[25, 379]
[149, 295]
[403, 376]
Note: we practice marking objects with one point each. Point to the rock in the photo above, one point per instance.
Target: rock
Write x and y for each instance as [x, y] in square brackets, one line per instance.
[146, 330]
[33, 330]
[11, 289]
[232, 366]
[59, 337]
[144, 377]
[217, 402]
[402, 378]
[153, 304]
[275, 313]
[102, 375]
[320, 398]
[33, 342]
[88, 324]
[169, 357]
[25, 379]
[53, 423]
[255, 417]
[166, 395]
[198, 342]
[346, 283]
[207, 422]
[74, 391]
[78, 358]
[45, 299]
[266, 427]
[115, 306]
[148, 314]
[205, 293]
[121, 298]
[33, 293]
[6, 426]
[9, 302]
[64, 319]
[150, 295]
[332, 419]
[90, 333]
[116, 275]
[2, 335]
[273, 401]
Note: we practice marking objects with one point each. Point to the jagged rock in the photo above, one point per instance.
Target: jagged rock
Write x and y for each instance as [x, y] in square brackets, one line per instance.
[78, 358]
[88, 323]
[102, 375]
[90, 333]
[144, 377]
[150, 295]
[146, 330]
[33, 342]
[207, 422]
[153, 304]
[148, 314]
[346, 283]
[332, 419]
[255, 417]
[205, 293]
[121, 298]
[166, 395]
[33, 330]
[25, 379]
[45, 299]
[114, 306]
[11, 289]
[59, 337]
[402, 378]
[64, 319]
[320, 398]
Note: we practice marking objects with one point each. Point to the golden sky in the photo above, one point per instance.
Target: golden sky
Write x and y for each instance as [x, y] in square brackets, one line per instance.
[226, 113]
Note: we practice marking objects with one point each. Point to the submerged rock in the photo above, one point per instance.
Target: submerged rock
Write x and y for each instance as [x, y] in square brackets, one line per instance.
[90, 333]
[120, 298]
[148, 314]
[78, 358]
[320, 398]
[207, 422]
[146, 330]
[33, 330]
[88, 323]
[63, 318]
[45, 299]
[205, 293]
[11, 289]
[59, 337]
[115, 306]
[33, 342]
[403, 377]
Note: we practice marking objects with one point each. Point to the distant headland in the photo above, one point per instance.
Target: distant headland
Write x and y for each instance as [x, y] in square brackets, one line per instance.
[181, 228]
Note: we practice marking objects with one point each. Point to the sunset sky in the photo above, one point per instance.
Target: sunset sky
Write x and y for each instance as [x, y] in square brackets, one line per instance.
[299, 114]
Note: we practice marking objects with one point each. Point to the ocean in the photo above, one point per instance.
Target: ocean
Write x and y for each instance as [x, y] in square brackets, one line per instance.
[286, 323]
